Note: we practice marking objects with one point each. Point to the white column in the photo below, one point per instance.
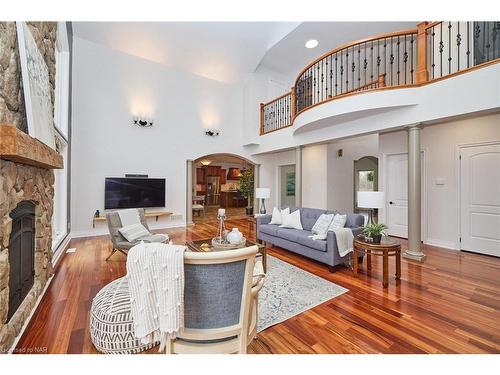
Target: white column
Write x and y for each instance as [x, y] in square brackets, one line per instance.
[256, 184]
[189, 192]
[298, 176]
[414, 196]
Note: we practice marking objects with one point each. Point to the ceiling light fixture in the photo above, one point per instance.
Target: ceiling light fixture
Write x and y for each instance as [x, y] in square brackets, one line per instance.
[312, 43]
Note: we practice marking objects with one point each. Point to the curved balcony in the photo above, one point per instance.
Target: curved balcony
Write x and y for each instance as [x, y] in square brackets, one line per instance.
[404, 59]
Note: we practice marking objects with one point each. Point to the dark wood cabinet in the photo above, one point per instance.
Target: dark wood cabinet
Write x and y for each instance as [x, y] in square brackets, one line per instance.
[223, 176]
[200, 176]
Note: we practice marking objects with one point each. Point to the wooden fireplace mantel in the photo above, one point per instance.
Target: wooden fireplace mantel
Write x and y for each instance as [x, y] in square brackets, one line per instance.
[20, 147]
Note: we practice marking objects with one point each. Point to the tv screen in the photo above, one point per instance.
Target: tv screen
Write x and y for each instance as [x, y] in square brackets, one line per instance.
[134, 192]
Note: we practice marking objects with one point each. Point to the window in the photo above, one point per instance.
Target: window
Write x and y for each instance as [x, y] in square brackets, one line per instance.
[60, 226]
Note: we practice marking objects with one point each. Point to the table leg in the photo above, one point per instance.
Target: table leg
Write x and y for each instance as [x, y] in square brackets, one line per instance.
[369, 260]
[398, 264]
[354, 263]
[264, 261]
[385, 269]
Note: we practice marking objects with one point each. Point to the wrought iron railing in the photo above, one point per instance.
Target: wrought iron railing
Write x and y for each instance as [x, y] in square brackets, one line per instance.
[456, 46]
[277, 114]
[348, 69]
[407, 58]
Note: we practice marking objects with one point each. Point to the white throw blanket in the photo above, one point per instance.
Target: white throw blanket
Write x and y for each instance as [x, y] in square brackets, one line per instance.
[345, 239]
[155, 273]
[129, 217]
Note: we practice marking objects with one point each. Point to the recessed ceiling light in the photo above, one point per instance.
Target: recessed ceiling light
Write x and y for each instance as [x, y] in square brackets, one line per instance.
[312, 43]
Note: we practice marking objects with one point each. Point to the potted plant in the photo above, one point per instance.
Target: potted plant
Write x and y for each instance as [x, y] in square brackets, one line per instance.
[246, 189]
[374, 232]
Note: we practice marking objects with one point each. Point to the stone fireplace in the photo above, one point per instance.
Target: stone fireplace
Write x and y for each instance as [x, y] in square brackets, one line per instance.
[26, 206]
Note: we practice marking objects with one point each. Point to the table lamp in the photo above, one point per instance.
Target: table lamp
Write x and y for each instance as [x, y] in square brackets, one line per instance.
[371, 200]
[262, 194]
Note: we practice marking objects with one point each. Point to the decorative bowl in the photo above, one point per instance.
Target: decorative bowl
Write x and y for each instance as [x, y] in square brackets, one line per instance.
[228, 246]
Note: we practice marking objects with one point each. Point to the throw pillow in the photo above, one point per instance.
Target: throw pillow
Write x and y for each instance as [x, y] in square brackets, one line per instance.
[277, 217]
[322, 224]
[292, 220]
[133, 232]
[338, 222]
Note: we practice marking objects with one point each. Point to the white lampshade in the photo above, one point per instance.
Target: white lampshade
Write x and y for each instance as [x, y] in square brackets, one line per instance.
[371, 199]
[262, 193]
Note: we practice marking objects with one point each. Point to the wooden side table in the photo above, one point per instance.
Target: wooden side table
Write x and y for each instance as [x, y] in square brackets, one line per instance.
[386, 248]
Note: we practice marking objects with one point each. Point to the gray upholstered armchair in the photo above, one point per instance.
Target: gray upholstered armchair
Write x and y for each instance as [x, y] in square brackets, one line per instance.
[220, 302]
[220, 306]
[120, 244]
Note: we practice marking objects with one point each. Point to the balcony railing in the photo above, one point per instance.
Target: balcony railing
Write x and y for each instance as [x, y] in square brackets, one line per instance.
[277, 114]
[401, 59]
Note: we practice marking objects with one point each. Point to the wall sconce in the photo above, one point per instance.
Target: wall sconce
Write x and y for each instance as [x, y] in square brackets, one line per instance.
[211, 132]
[143, 122]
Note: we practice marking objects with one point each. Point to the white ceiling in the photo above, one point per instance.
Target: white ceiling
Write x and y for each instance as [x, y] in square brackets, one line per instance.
[230, 51]
[290, 56]
[223, 51]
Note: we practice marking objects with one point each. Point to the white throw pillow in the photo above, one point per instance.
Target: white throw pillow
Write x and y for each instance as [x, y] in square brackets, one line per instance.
[338, 222]
[291, 220]
[133, 232]
[277, 217]
[322, 224]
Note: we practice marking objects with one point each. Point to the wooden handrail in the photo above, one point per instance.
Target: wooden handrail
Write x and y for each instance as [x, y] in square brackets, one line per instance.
[355, 43]
[278, 98]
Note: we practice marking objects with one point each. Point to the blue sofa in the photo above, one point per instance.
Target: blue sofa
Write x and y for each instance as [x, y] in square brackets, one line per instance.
[298, 241]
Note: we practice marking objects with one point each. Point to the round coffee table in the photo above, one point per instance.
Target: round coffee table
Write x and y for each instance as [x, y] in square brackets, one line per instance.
[386, 248]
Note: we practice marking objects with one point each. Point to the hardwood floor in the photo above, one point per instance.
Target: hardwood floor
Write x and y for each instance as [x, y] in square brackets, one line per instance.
[449, 304]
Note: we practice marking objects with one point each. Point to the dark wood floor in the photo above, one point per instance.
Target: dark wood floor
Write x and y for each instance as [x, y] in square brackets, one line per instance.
[449, 304]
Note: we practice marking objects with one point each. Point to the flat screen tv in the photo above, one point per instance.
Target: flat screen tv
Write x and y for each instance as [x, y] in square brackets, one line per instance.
[134, 192]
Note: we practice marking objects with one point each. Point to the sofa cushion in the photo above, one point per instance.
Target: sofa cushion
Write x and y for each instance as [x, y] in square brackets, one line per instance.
[309, 216]
[302, 237]
[270, 229]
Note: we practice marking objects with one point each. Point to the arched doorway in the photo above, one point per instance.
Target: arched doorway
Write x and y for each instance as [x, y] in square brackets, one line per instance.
[221, 181]
[365, 178]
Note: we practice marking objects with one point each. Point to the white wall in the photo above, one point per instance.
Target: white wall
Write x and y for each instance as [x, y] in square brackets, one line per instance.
[261, 87]
[269, 173]
[109, 88]
[440, 144]
[314, 176]
[341, 169]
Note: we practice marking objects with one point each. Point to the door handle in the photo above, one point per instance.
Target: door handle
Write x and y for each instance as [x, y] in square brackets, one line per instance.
[391, 202]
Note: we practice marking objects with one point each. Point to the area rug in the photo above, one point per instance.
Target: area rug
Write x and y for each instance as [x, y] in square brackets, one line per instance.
[289, 291]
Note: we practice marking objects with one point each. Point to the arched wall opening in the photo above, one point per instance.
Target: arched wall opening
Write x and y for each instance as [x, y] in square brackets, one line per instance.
[220, 180]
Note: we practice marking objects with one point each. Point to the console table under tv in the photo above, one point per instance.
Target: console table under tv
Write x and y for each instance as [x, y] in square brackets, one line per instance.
[147, 214]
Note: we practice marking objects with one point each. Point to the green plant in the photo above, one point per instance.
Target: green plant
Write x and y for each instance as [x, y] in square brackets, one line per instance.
[373, 230]
[370, 176]
[247, 186]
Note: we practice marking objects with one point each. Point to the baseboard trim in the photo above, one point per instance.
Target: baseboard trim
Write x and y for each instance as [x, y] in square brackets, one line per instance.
[439, 243]
[60, 251]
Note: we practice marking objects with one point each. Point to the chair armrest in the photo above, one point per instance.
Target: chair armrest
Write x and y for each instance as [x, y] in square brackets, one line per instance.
[264, 219]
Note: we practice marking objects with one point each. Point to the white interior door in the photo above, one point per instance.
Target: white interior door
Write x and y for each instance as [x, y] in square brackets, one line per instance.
[480, 199]
[397, 194]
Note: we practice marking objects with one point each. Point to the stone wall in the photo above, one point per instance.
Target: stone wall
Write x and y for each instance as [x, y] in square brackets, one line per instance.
[12, 110]
[19, 182]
